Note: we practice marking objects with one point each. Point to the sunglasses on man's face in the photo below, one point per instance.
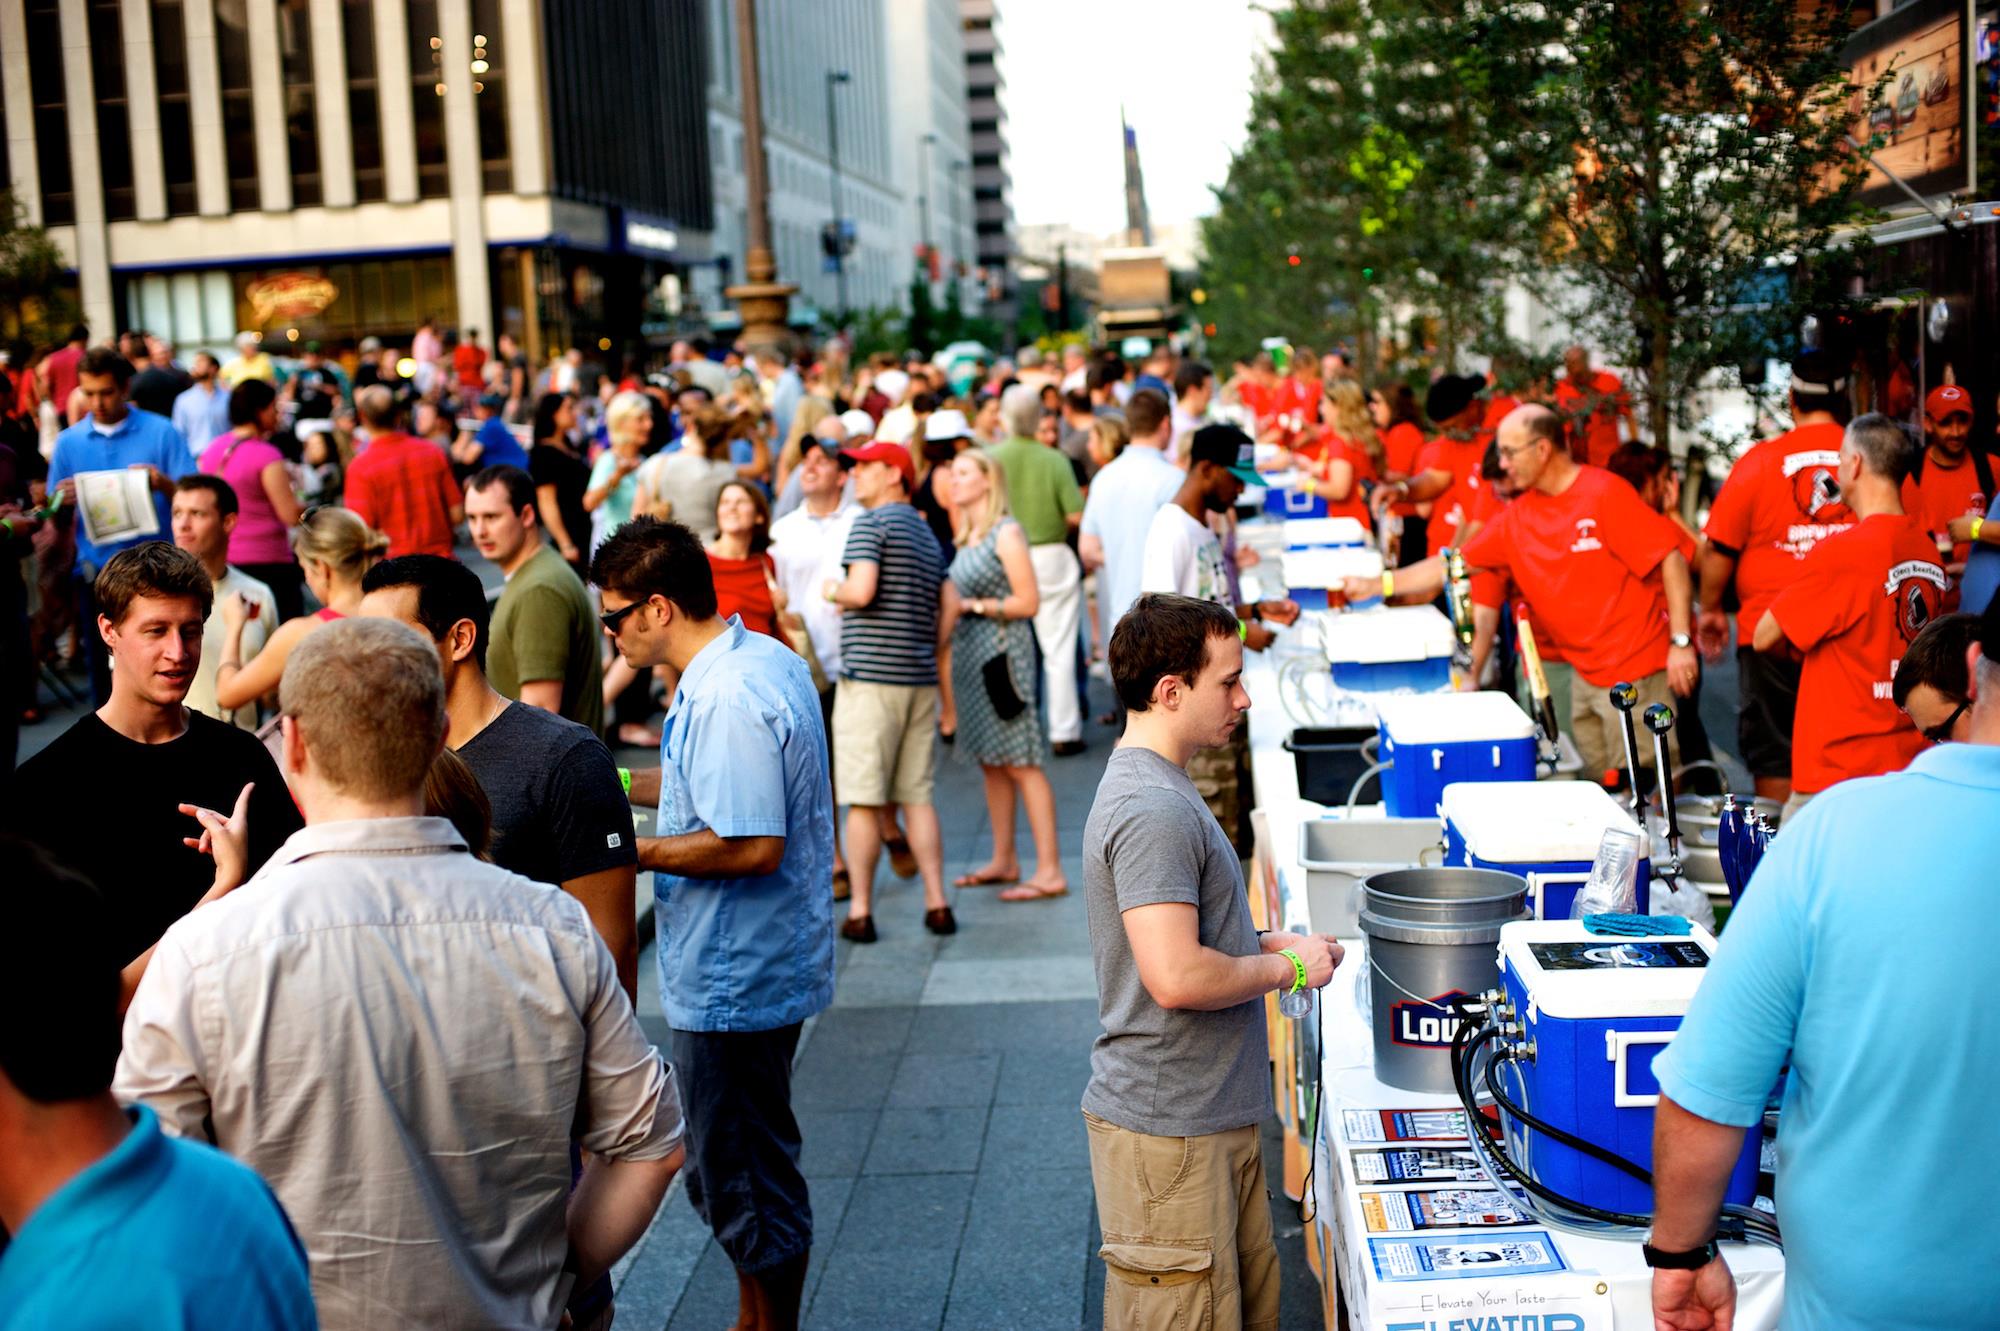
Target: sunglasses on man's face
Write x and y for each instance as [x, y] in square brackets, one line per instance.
[614, 620]
[1941, 732]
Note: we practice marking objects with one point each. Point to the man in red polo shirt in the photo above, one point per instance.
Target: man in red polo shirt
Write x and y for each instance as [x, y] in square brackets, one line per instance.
[1606, 577]
[1853, 609]
[1781, 500]
[1447, 470]
[1592, 402]
[1955, 482]
[400, 486]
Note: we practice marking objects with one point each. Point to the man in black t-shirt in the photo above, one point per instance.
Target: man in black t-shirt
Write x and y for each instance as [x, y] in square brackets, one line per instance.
[107, 796]
[559, 809]
[314, 387]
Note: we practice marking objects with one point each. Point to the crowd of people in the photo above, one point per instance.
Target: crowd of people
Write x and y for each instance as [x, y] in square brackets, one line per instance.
[794, 578]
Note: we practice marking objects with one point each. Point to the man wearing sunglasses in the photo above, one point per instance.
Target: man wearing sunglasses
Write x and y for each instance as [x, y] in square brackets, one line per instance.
[1933, 685]
[1809, 976]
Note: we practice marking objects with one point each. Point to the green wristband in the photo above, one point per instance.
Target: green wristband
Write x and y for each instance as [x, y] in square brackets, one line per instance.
[625, 779]
[1298, 970]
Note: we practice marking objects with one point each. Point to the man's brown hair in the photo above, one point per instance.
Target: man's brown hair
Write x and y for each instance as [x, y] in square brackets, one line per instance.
[1145, 412]
[154, 568]
[368, 699]
[1163, 634]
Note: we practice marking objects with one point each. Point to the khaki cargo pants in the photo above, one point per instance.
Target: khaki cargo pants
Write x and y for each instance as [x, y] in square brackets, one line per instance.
[1187, 1230]
[1222, 778]
[1599, 731]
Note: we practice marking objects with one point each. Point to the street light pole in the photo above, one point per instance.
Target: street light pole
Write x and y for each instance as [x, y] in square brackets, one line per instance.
[762, 298]
[835, 77]
[957, 219]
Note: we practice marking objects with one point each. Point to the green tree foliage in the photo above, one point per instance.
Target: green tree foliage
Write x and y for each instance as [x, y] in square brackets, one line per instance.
[1653, 171]
[1679, 158]
[33, 305]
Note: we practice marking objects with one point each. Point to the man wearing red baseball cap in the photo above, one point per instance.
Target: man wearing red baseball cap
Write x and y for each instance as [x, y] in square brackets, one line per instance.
[1955, 480]
[886, 707]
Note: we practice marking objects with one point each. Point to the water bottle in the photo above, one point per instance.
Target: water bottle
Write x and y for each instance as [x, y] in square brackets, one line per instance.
[1295, 1004]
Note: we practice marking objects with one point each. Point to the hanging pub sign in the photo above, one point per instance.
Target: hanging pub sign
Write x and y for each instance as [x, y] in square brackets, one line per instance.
[289, 297]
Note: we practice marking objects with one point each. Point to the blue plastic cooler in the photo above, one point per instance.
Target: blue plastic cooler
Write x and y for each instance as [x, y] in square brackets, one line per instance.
[1432, 742]
[1311, 570]
[1319, 533]
[1282, 500]
[1535, 827]
[1390, 649]
[1598, 1010]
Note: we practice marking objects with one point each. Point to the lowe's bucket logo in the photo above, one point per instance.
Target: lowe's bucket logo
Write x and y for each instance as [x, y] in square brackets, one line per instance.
[1426, 1025]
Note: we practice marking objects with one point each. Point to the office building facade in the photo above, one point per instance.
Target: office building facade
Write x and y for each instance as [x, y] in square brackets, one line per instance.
[992, 182]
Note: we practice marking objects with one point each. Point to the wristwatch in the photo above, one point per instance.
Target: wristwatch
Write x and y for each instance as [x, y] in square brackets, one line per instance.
[1680, 640]
[1692, 1260]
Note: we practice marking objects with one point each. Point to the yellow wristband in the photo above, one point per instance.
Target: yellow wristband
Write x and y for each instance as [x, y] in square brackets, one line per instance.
[1298, 970]
[1243, 629]
[1388, 584]
[625, 779]
[1978, 525]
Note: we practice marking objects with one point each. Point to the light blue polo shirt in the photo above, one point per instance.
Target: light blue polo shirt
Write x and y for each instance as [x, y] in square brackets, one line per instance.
[743, 753]
[1863, 954]
[163, 1234]
[142, 436]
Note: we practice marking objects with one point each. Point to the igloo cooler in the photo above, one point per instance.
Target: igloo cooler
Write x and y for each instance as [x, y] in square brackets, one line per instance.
[1395, 648]
[1319, 533]
[1431, 742]
[1597, 1011]
[1535, 828]
[1311, 571]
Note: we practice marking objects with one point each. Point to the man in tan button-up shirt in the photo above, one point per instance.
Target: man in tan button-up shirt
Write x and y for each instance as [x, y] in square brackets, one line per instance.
[401, 1039]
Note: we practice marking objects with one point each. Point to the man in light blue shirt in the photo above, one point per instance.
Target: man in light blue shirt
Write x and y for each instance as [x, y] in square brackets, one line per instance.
[113, 1223]
[113, 437]
[1856, 957]
[1124, 496]
[742, 871]
[201, 412]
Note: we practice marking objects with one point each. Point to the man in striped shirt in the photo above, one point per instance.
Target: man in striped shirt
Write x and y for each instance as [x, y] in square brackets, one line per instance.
[886, 707]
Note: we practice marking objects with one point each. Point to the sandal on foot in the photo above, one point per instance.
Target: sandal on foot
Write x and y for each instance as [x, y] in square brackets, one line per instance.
[842, 887]
[981, 878]
[902, 862]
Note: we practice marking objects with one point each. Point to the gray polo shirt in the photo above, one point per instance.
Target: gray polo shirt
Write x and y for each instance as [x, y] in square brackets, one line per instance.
[1151, 839]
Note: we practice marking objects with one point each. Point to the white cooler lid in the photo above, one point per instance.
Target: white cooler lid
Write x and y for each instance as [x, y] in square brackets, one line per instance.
[1326, 566]
[1302, 532]
[1453, 718]
[1391, 633]
[1533, 822]
[1573, 974]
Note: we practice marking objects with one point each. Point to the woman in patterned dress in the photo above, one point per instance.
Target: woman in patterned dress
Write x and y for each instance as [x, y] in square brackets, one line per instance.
[989, 605]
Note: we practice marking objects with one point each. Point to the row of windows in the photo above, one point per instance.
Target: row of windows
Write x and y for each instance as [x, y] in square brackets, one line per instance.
[165, 38]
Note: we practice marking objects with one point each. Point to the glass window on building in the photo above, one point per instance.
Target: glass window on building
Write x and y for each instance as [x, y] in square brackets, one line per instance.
[301, 105]
[489, 92]
[239, 121]
[427, 84]
[114, 131]
[170, 80]
[364, 107]
[45, 86]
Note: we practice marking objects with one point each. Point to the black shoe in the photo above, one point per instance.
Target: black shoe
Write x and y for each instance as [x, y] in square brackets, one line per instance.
[858, 929]
[939, 921]
[1067, 748]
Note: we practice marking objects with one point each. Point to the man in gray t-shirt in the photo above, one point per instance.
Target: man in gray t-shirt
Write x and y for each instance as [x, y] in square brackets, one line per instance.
[1178, 1080]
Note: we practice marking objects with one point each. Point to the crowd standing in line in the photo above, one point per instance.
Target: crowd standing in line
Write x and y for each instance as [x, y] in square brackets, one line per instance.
[792, 579]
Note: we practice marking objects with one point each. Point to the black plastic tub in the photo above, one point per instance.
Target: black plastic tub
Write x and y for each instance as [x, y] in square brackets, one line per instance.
[1329, 761]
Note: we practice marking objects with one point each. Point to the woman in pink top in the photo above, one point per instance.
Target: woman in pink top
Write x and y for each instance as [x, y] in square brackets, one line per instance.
[260, 542]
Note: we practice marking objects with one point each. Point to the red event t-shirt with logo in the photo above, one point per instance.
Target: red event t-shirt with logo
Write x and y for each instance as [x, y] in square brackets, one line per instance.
[1781, 499]
[1592, 412]
[1325, 447]
[1944, 493]
[1587, 561]
[1853, 609]
[1452, 509]
[1494, 590]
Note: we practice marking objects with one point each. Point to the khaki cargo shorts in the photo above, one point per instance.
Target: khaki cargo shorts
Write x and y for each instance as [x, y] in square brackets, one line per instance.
[883, 750]
[1187, 1230]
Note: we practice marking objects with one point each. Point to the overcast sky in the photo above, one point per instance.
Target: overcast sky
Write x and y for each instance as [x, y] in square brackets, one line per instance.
[1181, 68]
